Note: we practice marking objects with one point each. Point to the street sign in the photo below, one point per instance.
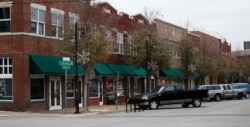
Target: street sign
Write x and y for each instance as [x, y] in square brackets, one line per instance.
[66, 64]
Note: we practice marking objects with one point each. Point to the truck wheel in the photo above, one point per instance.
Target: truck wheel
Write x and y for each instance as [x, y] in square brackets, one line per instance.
[196, 102]
[247, 96]
[217, 97]
[240, 96]
[153, 105]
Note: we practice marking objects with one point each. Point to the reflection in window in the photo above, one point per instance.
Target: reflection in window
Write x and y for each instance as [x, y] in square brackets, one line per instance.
[70, 88]
[93, 88]
[37, 21]
[6, 89]
[37, 88]
[57, 24]
[136, 86]
[109, 87]
[5, 19]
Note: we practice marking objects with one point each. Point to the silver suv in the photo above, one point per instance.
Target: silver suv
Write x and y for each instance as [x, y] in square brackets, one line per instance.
[215, 91]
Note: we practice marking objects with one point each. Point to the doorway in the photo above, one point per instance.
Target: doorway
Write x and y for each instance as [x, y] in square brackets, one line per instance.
[55, 94]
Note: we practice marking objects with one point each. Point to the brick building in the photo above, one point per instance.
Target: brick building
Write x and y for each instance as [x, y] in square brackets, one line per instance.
[31, 40]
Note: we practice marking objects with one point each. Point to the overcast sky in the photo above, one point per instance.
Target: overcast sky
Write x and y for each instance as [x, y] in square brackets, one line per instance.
[229, 19]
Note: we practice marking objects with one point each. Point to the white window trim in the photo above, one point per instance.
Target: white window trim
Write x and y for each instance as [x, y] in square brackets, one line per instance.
[5, 4]
[38, 6]
[8, 75]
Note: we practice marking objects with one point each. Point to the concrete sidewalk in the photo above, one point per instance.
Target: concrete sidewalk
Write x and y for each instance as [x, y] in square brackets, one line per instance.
[70, 112]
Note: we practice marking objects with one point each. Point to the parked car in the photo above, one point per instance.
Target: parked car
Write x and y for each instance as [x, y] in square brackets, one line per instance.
[215, 91]
[172, 94]
[232, 91]
[242, 86]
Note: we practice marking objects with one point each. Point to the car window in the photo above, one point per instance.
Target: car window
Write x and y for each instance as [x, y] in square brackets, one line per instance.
[224, 87]
[169, 88]
[210, 87]
[229, 87]
[178, 87]
[217, 87]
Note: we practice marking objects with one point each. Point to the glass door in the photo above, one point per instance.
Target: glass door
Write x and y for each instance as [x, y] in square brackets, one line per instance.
[55, 94]
[100, 92]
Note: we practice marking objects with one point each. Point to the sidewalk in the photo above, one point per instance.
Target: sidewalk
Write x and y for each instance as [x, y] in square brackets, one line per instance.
[70, 112]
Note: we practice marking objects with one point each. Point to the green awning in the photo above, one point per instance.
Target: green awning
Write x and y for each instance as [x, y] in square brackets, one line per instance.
[41, 64]
[178, 72]
[103, 70]
[172, 72]
[141, 72]
[121, 69]
[232, 77]
[199, 75]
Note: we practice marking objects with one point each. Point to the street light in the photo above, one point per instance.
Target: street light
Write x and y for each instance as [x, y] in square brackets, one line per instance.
[76, 76]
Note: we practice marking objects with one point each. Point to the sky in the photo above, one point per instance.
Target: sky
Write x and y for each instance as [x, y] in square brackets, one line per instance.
[224, 19]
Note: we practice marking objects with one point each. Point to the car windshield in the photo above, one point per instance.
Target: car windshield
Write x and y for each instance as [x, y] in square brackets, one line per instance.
[157, 89]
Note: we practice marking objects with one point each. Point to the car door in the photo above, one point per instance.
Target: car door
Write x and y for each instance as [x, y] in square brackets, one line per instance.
[228, 92]
[169, 95]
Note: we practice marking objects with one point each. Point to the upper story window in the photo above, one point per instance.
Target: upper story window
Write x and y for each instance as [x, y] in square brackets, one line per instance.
[120, 42]
[5, 17]
[38, 19]
[73, 18]
[130, 44]
[57, 21]
[108, 34]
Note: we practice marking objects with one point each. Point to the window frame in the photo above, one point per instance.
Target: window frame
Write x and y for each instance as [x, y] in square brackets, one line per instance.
[120, 42]
[59, 25]
[40, 21]
[6, 62]
[6, 20]
[43, 89]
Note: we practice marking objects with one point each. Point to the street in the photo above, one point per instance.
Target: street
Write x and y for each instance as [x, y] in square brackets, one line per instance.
[227, 113]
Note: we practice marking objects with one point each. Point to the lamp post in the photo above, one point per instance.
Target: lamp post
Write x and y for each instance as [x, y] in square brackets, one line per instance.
[147, 60]
[76, 76]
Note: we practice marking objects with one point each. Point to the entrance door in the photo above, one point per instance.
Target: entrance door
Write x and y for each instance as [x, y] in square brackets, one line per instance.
[100, 92]
[80, 93]
[55, 94]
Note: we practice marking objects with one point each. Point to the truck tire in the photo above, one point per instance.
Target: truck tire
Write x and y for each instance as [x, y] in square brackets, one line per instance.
[217, 97]
[247, 96]
[196, 102]
[240, 96]
[153, 105]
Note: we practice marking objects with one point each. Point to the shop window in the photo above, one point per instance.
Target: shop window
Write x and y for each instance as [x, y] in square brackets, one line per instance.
[109, 87]
[136, 87]
[93, 88]
[70, 88]
[120, 88]
[5, 19]
[6, 89]
[6, 79]
[37, 89]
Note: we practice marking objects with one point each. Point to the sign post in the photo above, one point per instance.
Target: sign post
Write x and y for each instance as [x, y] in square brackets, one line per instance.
[66, 63]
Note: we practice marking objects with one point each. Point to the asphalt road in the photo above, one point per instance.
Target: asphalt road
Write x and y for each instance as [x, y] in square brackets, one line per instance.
[232, 113]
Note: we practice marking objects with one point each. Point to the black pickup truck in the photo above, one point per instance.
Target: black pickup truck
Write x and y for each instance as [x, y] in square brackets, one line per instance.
[171, 94]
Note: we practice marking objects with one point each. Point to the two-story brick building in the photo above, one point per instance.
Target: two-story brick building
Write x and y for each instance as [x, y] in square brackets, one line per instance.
[31, 40]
